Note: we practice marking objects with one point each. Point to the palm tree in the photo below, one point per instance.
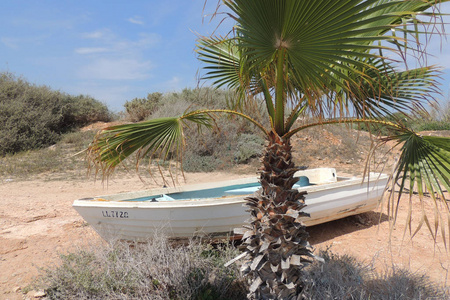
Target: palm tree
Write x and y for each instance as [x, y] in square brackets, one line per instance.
[329, 60]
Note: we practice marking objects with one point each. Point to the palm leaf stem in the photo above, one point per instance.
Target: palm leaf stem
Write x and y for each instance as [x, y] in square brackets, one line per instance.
[227, 111]
[298, 109]
[268, 100]
[279, 94]
[342, 121]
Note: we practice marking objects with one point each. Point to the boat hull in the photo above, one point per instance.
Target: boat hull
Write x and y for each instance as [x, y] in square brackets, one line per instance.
[116, 217]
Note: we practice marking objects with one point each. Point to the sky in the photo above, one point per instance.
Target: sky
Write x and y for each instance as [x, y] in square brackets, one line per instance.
[117, 50]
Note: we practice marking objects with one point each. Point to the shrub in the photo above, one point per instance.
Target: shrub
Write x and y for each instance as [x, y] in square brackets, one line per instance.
[434, 125]
[248, 146]
[202, 97]
[197, 163]
[35, 116]
[401, 284]
[140, 109]
[82, 110]
[154, 270]
[160, 270]
[344, 277]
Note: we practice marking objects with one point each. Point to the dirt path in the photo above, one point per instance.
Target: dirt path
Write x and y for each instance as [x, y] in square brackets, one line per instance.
[37, 222]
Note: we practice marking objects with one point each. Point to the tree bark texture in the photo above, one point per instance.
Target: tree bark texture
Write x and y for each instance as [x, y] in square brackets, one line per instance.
[275, 242]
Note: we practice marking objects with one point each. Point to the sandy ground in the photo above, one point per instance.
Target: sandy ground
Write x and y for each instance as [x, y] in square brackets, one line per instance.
[37, 223]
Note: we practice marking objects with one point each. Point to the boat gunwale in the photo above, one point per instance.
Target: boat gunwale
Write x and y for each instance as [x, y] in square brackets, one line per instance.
[122, 202]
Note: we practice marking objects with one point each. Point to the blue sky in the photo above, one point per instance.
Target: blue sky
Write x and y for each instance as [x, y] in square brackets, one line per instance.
[116, 50]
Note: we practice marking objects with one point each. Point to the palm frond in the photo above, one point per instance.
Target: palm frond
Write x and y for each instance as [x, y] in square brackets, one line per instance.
[114, 144]
[389, 91]
[424, 162]
[223, 61]
[423, 168]
[163, 138]
[319, 34]
[331, 49]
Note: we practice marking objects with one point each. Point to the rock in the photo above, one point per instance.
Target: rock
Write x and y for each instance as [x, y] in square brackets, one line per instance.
[16, 289]
[36, 294]
[40, 294]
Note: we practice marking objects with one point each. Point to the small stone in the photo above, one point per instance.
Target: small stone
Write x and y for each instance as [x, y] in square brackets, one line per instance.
[39, 294]
[16, 289]
[36, 294]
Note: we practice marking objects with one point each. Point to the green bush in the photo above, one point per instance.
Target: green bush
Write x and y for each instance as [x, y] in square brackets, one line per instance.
[248, 146]
[82, 110]
[35, 116]
[197, 163]
[433, 125]
[202, 97]
[140, 109]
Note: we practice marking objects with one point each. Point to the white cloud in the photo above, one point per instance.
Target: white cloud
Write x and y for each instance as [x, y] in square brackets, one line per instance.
[18, 42]
[98, 34]
[116, 69]
[148, 40]
[107, 56]
[91, 50]
[136, 20]
[10, 42]
[171, 84]
[106, 41]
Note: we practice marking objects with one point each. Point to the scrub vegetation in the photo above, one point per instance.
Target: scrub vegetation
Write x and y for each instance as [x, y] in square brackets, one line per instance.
[34, 117]
[234, 143]
[161, 270]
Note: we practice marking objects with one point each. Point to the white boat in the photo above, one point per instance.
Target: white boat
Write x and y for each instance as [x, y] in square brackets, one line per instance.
[216, 209]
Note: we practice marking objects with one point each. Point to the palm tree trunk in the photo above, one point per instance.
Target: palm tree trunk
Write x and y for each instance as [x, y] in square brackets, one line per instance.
[276, 240]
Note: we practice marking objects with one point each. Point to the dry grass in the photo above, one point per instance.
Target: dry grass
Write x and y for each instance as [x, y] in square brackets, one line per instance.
[344, 277]
[159, 269]
[57, 161]
[153, 270]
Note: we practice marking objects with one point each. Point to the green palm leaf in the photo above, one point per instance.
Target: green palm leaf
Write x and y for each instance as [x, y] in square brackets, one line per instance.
[326, 48]
[390, 91]
[163, 138]
[317, 34]
[116, 143]
[160, 137]
[423, 160]
[423, 167]
[223, 62]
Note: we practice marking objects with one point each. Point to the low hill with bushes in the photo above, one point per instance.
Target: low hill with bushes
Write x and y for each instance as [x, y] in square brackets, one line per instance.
[33, 116]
